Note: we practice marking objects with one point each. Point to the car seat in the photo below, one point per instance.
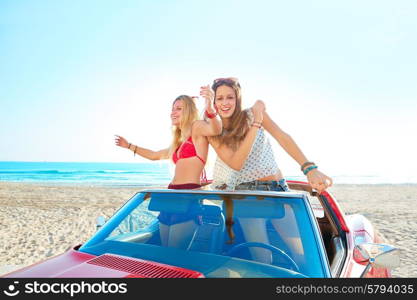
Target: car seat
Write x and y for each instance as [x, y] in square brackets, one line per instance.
[209, 236]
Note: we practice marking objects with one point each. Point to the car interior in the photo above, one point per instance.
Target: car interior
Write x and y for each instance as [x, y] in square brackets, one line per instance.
[217, 229]
[333, 237]
[214, 228]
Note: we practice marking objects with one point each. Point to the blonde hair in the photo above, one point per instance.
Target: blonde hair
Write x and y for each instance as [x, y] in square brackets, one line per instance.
[239, 127]
[189, 115]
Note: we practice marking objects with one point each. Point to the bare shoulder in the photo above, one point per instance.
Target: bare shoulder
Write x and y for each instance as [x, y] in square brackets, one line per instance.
[198, 123]
[197, 126]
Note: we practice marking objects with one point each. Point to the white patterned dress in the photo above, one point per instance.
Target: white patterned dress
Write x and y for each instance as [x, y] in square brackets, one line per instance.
[260, 163]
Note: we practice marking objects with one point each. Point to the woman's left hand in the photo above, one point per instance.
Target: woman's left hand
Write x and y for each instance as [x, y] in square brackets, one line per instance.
[318, 180]
[207, 93]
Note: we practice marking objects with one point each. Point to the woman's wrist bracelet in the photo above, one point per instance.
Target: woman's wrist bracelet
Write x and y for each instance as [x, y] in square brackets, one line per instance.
[134, 150]
[210, 115]
[306, 164]
[256, 124]
[309, 169]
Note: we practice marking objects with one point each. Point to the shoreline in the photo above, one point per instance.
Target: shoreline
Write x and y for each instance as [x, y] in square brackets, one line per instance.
[143, 186]
[81, 184]
[38, 221]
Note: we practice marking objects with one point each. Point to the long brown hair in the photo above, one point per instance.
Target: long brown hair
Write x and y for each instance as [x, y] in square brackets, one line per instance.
[238, 126]
[189, 115]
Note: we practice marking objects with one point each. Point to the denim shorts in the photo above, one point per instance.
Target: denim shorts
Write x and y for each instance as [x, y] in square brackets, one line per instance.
[271, 185]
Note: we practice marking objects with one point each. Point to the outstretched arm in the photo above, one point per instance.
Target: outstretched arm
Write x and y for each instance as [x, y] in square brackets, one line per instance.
[212, 125]
[236, 159]
[317, 179]
[284, 139]
[146, 153]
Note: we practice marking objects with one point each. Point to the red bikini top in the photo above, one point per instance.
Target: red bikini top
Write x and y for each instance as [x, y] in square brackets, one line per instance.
[186, 150]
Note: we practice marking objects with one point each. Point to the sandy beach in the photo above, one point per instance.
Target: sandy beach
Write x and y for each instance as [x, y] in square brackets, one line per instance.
[40, 221]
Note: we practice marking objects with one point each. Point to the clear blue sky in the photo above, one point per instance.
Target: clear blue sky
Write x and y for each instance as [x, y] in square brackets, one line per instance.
[339, 76]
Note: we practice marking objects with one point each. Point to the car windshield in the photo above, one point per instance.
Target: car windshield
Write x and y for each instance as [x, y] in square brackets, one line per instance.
[217, 234]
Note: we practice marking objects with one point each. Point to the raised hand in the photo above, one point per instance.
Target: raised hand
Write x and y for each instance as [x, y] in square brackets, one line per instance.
[258, 109]
[121, 141]
[208, 94]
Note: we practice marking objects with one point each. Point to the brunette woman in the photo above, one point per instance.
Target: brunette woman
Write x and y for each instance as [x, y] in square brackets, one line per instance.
[245, 160]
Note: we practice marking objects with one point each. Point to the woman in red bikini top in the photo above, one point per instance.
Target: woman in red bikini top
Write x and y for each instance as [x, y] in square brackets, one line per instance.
[189, 147]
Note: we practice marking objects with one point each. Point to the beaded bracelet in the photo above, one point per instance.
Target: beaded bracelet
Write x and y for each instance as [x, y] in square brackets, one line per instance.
[209, 115]
[256, 124]
[306, 164]
[309, 169]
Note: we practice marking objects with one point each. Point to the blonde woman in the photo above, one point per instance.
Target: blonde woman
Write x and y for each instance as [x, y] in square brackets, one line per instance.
[188, 150]
[189, 147]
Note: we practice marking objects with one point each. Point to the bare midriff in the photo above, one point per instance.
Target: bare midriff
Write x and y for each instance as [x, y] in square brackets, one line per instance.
[188, 170]
[276, 177]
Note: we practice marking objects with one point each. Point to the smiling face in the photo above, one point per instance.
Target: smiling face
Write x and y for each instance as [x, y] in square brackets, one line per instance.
[176, 113]
[225, 101]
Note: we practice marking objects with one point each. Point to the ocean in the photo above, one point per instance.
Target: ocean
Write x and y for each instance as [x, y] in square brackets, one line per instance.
[134, 174]
[107, 174]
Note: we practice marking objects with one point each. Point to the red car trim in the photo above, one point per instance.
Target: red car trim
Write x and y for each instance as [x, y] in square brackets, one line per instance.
[335, 207]
[142, 268]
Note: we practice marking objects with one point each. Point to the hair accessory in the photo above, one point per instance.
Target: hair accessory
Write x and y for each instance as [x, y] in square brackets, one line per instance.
[309, 169]
[306, 164]
[226, 79]
[209, 115]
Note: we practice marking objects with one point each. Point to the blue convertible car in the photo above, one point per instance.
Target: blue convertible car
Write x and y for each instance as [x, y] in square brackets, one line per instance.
[203, 233]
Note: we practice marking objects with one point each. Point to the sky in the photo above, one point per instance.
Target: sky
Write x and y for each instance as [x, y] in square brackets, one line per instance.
[339, 76]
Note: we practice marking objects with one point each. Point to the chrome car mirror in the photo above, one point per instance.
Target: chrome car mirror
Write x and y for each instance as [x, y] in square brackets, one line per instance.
[376, 255]
[100, 221]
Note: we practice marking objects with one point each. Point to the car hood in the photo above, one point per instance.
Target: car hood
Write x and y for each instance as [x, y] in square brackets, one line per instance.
[75, 264]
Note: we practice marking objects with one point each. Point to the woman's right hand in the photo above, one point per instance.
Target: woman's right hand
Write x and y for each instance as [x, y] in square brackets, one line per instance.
[121, 141]
[258, 109]
[208, 94]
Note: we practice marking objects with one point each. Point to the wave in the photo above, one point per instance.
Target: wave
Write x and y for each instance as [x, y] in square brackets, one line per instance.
[80, 172]
[33, 172]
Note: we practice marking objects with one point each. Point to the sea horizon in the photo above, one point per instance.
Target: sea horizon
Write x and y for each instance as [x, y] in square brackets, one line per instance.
[142, 174]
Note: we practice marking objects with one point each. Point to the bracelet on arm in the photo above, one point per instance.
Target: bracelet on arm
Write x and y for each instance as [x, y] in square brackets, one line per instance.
[128, 146]
[134, 150]
[306, 164]
[309, 169]
[257, 124]
[209, 115]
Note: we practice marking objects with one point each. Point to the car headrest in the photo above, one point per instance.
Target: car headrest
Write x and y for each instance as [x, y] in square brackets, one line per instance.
[211, 210]
[254, 208]
[177, 204]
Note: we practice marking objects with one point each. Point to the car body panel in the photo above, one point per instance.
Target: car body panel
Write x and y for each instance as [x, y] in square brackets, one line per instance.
[361, 231]
[74, 263]
[174, 256]
[79, 261]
